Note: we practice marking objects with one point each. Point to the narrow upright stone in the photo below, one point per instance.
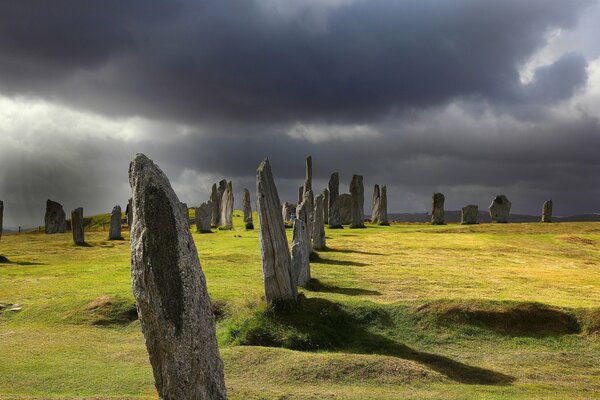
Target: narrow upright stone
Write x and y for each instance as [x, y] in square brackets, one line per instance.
[213, 202]
[326, 206]
[278, 277]
[308, 178]
[376, 204]
[383, 218]
[203, 218]
[300, 194]
[247, 210]
[300, 253]
[308, 214]
[227, 207]
[437, 209]
[186, 213]
[114, 232]
[547, 211]
[285, 212]
[77, 226]
[129, 214]
[344, 206]
[334, 188]
[220, 191]
[470, 214]
[55, 218]
[335, 219]
[1, 217]
[319, 224]
[170, 291]
[357, 191]
[500, 209]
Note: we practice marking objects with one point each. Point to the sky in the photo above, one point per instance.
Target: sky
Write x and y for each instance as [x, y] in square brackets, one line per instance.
[472, 98]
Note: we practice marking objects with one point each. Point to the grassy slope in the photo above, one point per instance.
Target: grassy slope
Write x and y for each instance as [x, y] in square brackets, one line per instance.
[407, 311]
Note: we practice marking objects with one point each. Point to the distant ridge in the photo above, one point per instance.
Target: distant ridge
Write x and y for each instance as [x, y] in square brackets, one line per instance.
[484, 216]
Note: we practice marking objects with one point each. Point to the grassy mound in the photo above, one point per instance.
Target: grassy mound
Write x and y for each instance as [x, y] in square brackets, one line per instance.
[107, 310]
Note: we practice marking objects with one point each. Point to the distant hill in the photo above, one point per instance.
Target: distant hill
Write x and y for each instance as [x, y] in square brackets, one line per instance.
[484, 217]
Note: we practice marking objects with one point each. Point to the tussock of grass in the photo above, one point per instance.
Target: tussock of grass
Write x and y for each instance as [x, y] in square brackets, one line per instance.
[107, 311]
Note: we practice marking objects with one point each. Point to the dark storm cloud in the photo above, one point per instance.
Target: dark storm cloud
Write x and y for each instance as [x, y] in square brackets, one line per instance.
[247, 60]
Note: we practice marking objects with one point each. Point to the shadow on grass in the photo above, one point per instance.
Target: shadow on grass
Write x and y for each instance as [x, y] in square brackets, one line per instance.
[346, 251]
[4, 260]
[315, 257]
[319, 324]
[317, 286]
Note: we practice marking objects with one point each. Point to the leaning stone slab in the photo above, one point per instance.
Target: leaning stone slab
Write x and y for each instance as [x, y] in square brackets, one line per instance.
[470, 214]
[547, 211]
[278, 277]
[203, 218]
[319, 225]
[114, 231]
[170, 291]
[77, 226]
[500, 209]
[437, 209]
[357, 191]
[55, 218]
[308, 178]
[300, 253]
[247, 210]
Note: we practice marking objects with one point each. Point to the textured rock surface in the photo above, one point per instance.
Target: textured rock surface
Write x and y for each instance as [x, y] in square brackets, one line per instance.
[500, 209]
[170, 290]
[114, 232]
[213, 202]
[186, 213]
[437, 209]
[247, 210]
[129, 213]
[300, 194]
[308, 177]
[344, 207]
[300, 253]
[55, 218]
[278, 278]
[1, 217]
[326, 206]
[334, 188]
[77, 226]
[357, 191]
[220, 191]
[309, 199]
[383, 218]
[470, 214]
[303, 214]
[376, 204]
[287, 210]
[547, 211]
[227, 207]
[203, 218]
[318, 236]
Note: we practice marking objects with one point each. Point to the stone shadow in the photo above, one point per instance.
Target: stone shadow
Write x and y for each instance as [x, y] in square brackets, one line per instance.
[317, 286]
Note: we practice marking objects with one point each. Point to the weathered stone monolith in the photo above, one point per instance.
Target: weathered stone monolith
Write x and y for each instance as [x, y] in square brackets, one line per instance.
[500, 209]
[300, 194]
[470, 214]
[300, 253]
[308, 178]
[326, 206]
[335, 219]
[114, 231]
[55, 218]
[345, 208]
[319, 224]
[376, 204]
[357, 191]
[213, 202]
[247, 210]
[203, 218]
[227, 207]
[287, 210]
[220, 191]
[303, 214]
[129, 213]
[334, 188]
[186, 213]
[437, 209]
[278, 277]
[173, 305]
[383, 218]
[1, 217]
[77, 226]
[547, 211]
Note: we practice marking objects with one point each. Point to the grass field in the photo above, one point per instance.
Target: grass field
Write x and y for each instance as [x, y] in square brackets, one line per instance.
[402, 312]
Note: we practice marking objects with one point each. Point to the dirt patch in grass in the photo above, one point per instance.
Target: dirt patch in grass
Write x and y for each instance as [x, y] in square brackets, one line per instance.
[578, 240]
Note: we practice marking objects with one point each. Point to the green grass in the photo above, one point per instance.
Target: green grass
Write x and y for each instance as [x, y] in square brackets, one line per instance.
[408, 311]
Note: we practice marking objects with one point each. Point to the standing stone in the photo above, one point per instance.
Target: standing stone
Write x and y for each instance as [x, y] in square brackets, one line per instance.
[308, 179]
[287, 210]
[383, 218]
[309, 201]
[376, 204]
[303, 214]
[220, 191]
[334, 188]
[470, 214]
[185, 212]
[437, 209]
[345, 208]
[114, 232]
[227, 207]
[77, 226]
[547, 211]
[300, 194]
[203, 218]
[247, 210]
[278, 277]
[500, 209]
[300, 253]
[326, 206]
[170, 290]
[1, 217]
[129, 213]
[319, 224]
[213, 202]
[55, 218]
[357, 191]
[335, 219]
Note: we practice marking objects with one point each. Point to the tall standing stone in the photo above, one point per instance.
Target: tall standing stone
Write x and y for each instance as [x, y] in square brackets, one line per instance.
[203, 218]
[1, 217]
[77, 226]
[383, 218]
[227, 207]
[357, 191]
[334, 188]
[344, 206]
[213, 202]
[326, 206]
[376, 204]
[437, 209]
[129, 213]
[247, 210]
[300, 194]
[287, 210]
[278, 277]
[308, 178]
[547, 211]
[114, 232]
[319, 224]
[500, 209]
[55, 218]
[306, 211]
[170, 290]
[300, 253]
[220, 191]
[186, 213]
[470, 214]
